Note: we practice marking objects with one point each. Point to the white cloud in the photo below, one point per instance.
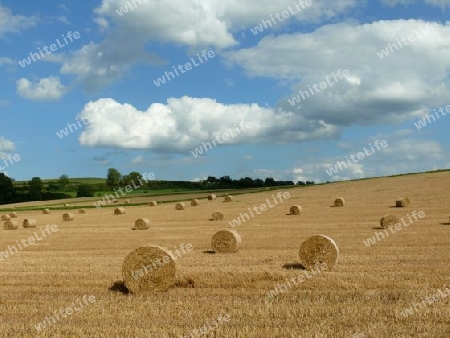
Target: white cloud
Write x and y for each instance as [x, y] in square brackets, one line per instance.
[46, 89]
[438, 3]
[10, 23]
[6, 145]
[6, 61]
[138, 160]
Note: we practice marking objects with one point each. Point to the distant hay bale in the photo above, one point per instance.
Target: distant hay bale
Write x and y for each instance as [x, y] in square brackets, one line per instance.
[13, 208]
[13, 215]
[6, 217]
[127, 201]
[388, 220]
[339, 202]
[66, 204]
[68, 216]
[402, 202]
[153, 203]
[179, 206]
[226, 241]
[46, 211]
[195, 202]
[119, 211]
[228, 198]
[82, 211]
[116, 201]
[142, 224]
[319, 249]
[149, 269]
[11, 225]
[212, 197]
[29, 223]
[295, 210]
[217, 216]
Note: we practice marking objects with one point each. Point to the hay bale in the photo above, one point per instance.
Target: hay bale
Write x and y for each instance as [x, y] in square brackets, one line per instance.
[66, 204]
[13, 215]
[228, 198]
[212, 197]
[295, 210]
[388, 220]
[142, 224]
[127, 201]
[11, 225]
[339, 202]
[195, 202]
[116, 201]
[179, 206]
[6, 217]
[119, 211]
[68, 216]
[148, 269]
[153, 203]
[46, 211]
[402, 202]
[29, 223]
[82, 211]
[226, 241]
[13, 208]
[319, 249]
[217, 216]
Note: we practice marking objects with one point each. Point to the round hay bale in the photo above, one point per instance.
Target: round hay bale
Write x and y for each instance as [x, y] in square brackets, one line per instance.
[295, 210]
[148, 269]
[388, 220]
[6, 217]
[66, 204]
[179, 206]
[13, 215]
[212, 197]
[339, 202]
[228, 198]
[127, 201]
[142, 224]
[319, 249]
[217, 216]
[226, 241]
[46, 211]
[116, 201]
[11, 225]
[153, 203]
[195, 202]
[68, 216]
[119, 211]
[29, 223]
[402, 202]
[82, 211]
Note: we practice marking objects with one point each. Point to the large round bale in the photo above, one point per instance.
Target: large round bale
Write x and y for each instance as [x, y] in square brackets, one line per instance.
[6, 217]
[402, 202]
[179, 206]
[295, 210]
[226, 241]
[82, 211]
[29, 223]
[153, 203]
[11, 225]
[68, 216]
[46, 211]
[228, 198]
[339, 202]
[388, 220]
[13, 215]
[148, 269]
[217, 216]
[195, 202]
[212, 197]
[142, 224]
[317, 250]
[119, 211]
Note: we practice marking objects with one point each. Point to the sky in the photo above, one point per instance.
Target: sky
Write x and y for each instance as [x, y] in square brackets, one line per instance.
[283, 89]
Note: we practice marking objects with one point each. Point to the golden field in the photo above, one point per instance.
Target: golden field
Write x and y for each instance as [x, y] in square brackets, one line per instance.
[362, 296]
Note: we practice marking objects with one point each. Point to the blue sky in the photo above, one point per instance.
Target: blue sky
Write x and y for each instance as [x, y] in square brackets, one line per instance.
[109, 74]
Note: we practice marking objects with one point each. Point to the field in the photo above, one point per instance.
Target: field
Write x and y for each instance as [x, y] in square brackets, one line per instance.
[362, 296]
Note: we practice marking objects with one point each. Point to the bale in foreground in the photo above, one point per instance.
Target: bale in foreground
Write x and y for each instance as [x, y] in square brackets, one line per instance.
[339, 202]
[319, 249]
[179, 206]
[148, 269]
[13, 215]
[388, 220]
[212, 197]
[226, 241]
[11, 225]
[6, 217]
[217, 216]
[153, 203]
[119, 211]
[402, 202]
[228, 198]
[295, 210]
[194, 202]
[68, 216]
[142, 224]
[29, 223]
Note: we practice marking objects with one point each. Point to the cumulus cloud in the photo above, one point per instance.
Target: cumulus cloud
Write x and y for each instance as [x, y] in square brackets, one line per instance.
[46, 89]
[10, 23]
[6, 61]
[6, 145]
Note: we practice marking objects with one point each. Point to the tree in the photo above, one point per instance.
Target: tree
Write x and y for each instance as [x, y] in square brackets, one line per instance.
[85, 190]
[135, 176]
[113, 178]
[7, 191]
[63, 182]
[35, 187]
